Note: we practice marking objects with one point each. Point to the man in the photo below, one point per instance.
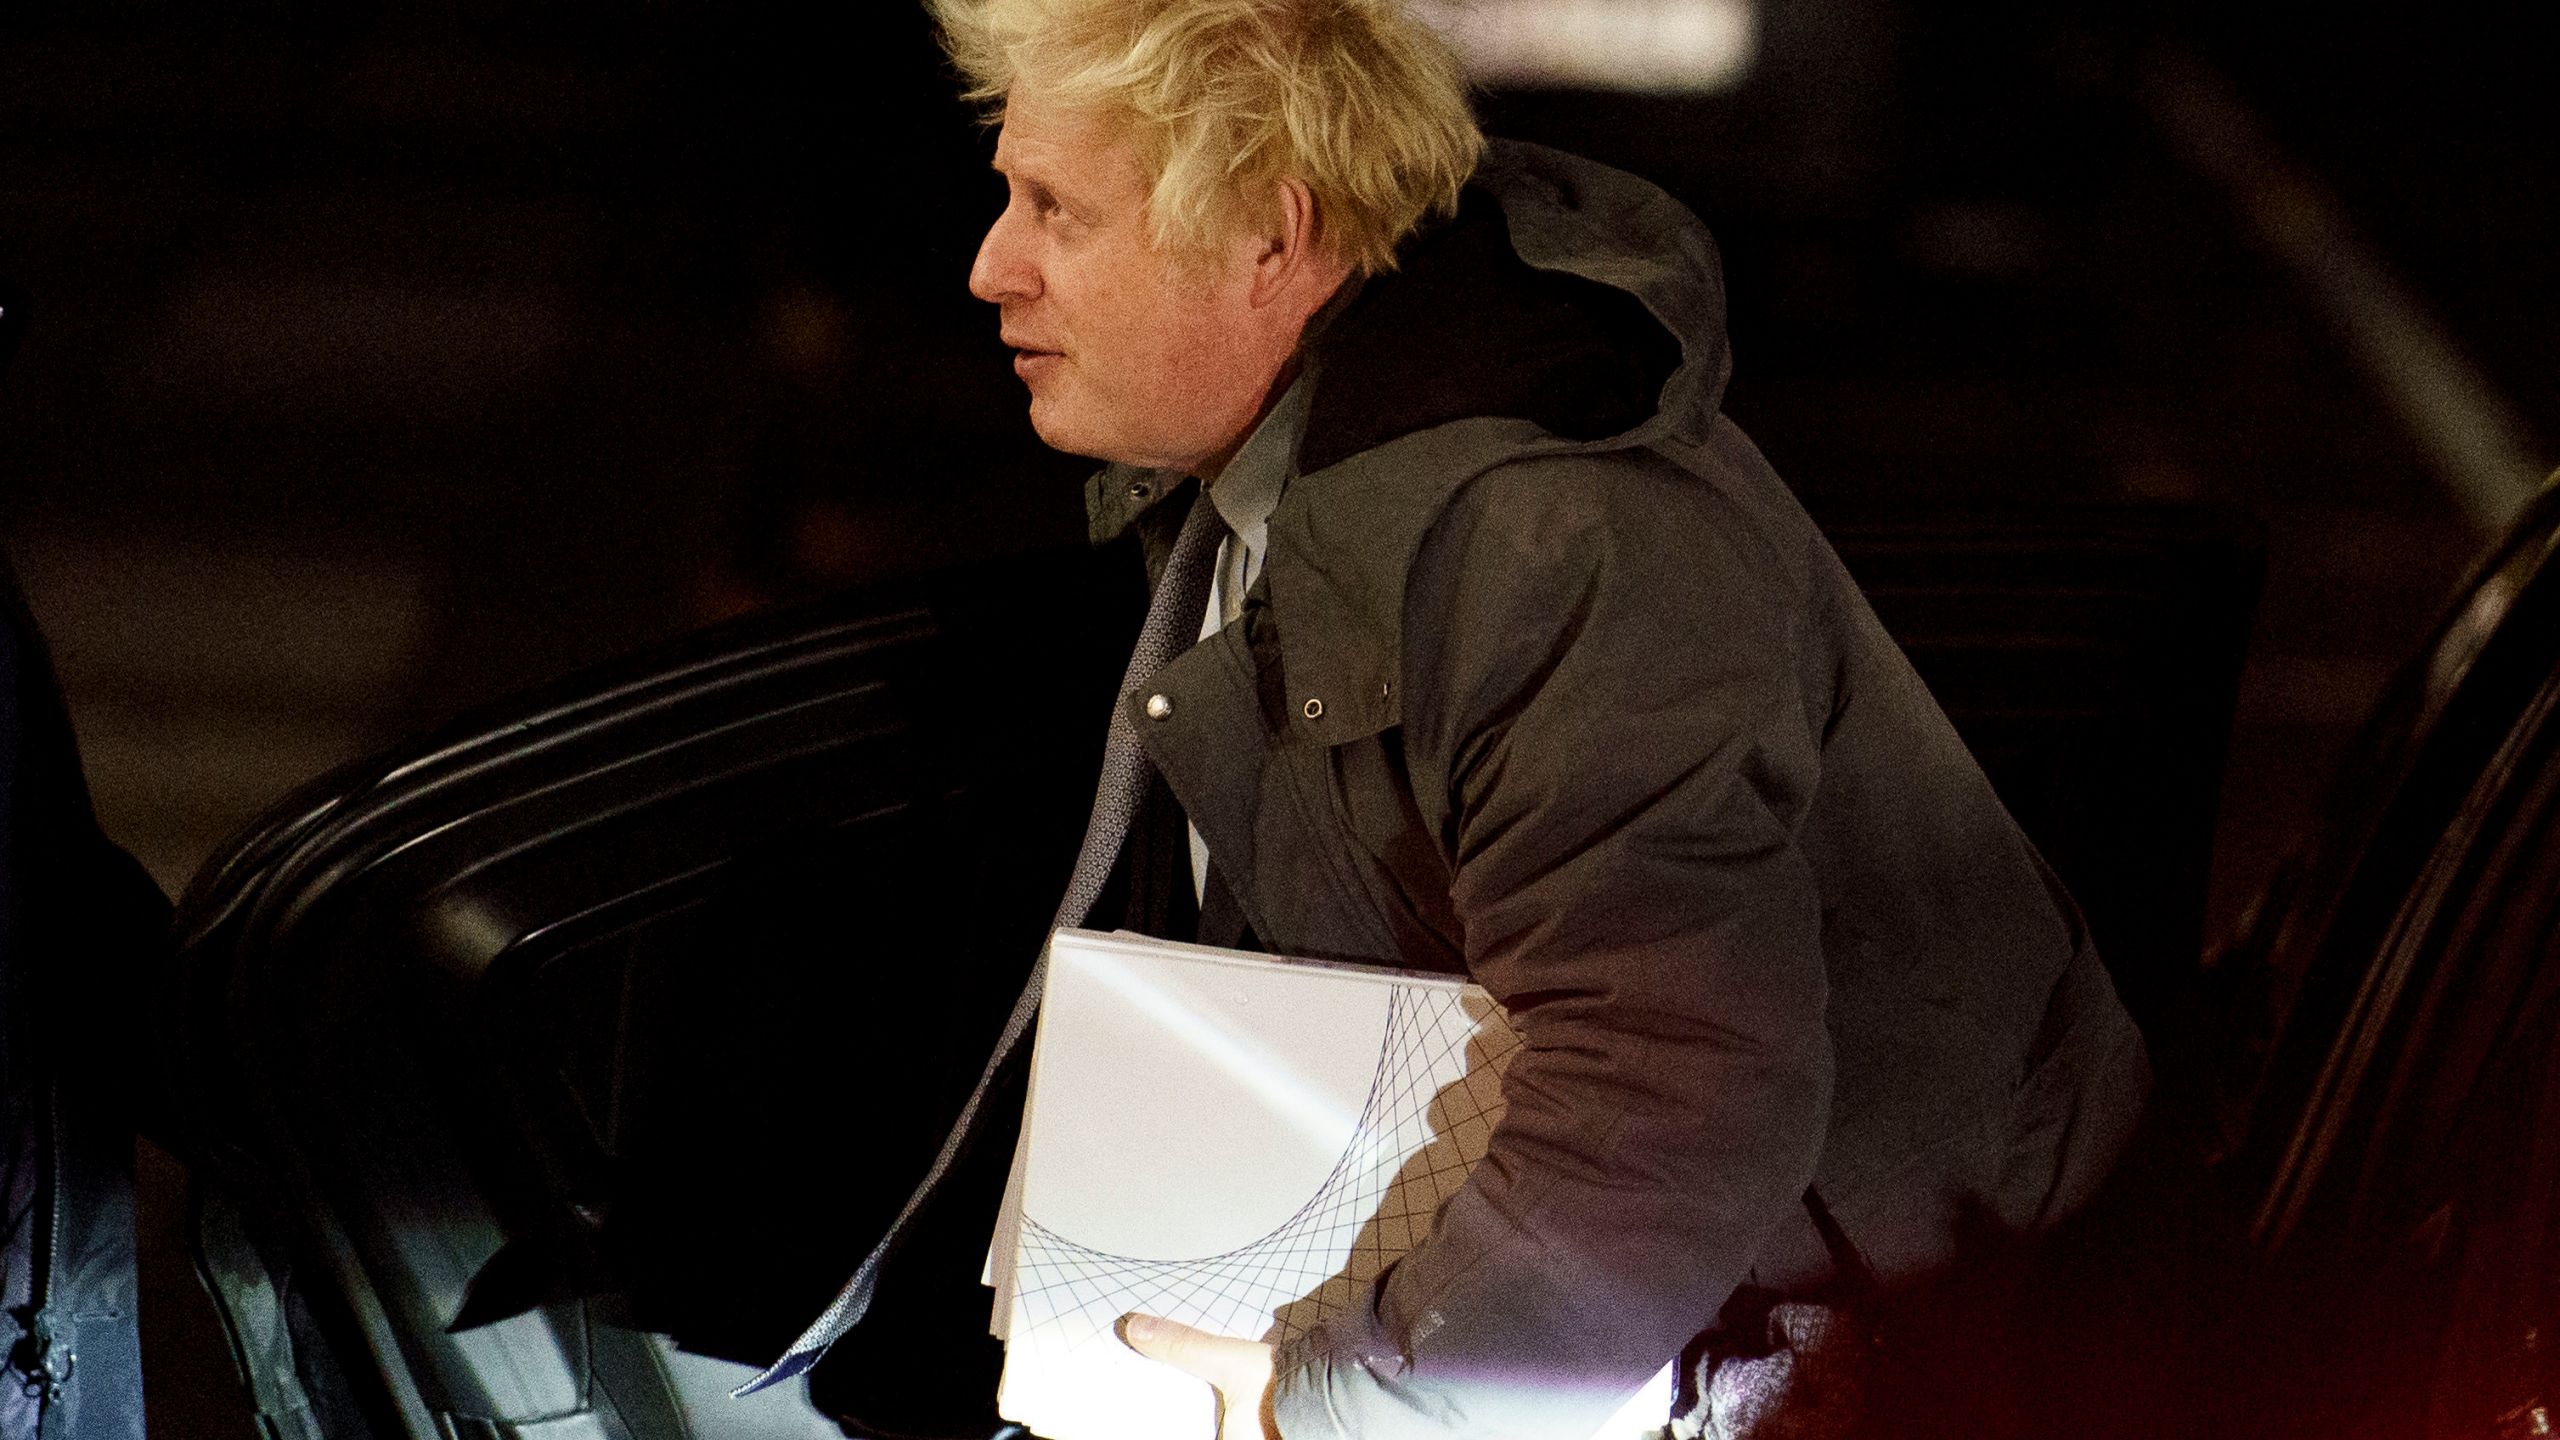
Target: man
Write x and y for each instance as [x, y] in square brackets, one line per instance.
[1521, 663]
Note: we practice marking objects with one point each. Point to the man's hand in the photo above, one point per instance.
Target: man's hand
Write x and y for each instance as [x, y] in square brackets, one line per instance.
[1240, 1370]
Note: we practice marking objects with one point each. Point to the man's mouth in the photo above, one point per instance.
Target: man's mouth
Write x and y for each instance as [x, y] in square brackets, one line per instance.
[1028, 361]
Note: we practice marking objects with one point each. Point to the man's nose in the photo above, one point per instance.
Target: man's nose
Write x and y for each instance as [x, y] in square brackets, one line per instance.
[1001, 271]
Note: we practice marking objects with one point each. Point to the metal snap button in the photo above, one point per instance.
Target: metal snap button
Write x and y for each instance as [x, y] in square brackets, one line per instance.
[1141, 490]
[1315, 709]
[1159, 707]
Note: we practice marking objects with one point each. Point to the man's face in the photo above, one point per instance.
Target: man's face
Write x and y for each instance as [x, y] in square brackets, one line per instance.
[1129, 354]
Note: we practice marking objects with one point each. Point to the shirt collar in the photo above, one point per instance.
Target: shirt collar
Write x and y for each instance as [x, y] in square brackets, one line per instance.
[1248, 490]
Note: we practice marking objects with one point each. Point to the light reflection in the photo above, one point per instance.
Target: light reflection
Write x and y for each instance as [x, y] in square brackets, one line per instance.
[1273, 1080]
[1653, 46]
[2470, 634]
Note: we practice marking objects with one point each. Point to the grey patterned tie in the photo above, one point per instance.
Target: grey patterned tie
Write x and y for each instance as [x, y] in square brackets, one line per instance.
[1171, 626]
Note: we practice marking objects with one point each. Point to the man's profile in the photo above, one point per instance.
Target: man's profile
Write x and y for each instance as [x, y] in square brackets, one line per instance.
[1517, 661]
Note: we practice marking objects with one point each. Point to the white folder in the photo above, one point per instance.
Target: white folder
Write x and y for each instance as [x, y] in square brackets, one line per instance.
[1235, 1141]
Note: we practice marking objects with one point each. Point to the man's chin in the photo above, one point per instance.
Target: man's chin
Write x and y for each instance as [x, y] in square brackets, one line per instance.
[1072, 430]
[1061, 432]
[1052, 433]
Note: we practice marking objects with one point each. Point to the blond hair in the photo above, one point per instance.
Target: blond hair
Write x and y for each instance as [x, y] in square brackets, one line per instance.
[1225, 99]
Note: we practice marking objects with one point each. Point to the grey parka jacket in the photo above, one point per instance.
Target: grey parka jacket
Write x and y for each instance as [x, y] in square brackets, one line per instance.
[1548, 680]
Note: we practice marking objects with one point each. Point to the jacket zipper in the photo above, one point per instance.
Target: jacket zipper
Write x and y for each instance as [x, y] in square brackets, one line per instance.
[44, 1362]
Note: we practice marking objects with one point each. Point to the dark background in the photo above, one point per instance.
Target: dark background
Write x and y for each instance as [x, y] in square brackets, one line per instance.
[389, 356]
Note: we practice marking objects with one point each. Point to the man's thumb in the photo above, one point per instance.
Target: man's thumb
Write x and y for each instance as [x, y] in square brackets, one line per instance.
[1196, 1353]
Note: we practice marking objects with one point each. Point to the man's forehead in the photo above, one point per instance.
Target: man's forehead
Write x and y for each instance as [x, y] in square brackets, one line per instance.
[1034, 135]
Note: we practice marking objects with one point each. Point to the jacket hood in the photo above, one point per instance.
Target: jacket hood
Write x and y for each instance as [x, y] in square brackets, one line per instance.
[1575, 297]
[1563, 293]
[1568, 308]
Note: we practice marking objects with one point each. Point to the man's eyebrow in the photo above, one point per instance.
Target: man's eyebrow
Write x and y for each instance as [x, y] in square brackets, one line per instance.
[1032, 183]
[1040, 191]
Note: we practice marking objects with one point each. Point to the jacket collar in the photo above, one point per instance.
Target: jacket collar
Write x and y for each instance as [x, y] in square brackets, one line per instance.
[1346, 533]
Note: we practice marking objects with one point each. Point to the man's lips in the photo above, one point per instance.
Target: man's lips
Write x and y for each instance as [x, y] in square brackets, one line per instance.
[1029, 360]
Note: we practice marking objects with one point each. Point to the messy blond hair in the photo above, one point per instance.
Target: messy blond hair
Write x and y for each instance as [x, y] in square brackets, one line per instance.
[1224, 99]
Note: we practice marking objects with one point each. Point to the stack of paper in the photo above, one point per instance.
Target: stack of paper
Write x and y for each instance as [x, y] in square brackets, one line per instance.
[1234, 1141]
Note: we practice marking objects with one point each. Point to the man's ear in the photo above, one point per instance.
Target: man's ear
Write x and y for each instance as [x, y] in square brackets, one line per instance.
[1288, 251]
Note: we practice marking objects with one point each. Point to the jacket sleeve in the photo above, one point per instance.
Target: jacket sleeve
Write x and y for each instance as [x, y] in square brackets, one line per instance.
[1604, 717]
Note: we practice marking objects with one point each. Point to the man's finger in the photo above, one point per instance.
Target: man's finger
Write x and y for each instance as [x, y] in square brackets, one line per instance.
[1221, 1360]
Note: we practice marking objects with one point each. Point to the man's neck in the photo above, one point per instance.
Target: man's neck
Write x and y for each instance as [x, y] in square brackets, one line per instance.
[1208, 471]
